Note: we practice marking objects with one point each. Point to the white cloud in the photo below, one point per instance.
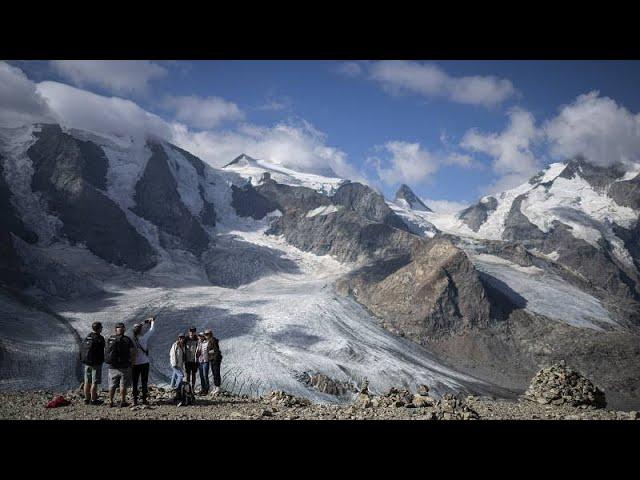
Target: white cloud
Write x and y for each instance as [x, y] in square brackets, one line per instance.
[298, 146]
[598, 129]
[349, 69]
[81, 109]
[511, 151]
[117, 76]
[429, 80]
[408, 163]
[444, 206]
[20, 103]
[203, 112]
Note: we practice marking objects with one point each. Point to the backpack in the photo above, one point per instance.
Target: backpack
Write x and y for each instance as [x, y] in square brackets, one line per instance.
[118, 351]
[92, 351]
[185, 394]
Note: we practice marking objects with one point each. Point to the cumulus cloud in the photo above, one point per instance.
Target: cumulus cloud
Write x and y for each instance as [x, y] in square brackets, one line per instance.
[117, 76]
[596, 128]
[429, 80]
[406, 163]
[20, 102]
[511, 150]
[203, 112]
[296, 145]
[81, 109]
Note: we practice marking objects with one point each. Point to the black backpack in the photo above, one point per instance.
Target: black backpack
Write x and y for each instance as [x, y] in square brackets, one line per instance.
[92, 351]
[118, 351]
[185, 394]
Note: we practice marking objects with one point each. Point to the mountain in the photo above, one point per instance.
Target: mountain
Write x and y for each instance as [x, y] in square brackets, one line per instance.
[98, 227]
[410, 200]
[323, 180]
[302, 274]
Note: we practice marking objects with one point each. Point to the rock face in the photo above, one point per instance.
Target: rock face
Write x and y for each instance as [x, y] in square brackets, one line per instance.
[560, 385]
[405, 194]
[436, 291]
[71, 176]
[157, 200]
[368, 203]
[249, 203]
[475, 215]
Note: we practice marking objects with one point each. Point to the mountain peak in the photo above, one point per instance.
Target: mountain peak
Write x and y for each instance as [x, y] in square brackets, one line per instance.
[406, 195]
[242, 158]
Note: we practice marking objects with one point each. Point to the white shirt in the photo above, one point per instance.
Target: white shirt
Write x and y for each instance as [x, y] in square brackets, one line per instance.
[142, 341]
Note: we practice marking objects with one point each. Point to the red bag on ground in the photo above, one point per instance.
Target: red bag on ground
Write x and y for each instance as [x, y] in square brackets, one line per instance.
[58, 401]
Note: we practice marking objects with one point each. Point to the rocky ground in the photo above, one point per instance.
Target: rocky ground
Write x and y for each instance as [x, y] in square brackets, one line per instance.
[394, 405]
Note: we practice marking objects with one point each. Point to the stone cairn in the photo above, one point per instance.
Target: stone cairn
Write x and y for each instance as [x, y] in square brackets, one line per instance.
[561, 385]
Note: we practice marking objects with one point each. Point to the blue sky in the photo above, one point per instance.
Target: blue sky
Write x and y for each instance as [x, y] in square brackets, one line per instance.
[391, 122]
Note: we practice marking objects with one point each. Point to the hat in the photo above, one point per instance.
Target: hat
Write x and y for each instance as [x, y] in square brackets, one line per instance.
[181, 335]
[192, 329]
[207, 332]
[120, 325]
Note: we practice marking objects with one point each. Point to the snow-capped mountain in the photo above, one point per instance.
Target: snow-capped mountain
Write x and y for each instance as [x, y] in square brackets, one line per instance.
[111, 229]
[307, 272]
[325, 181]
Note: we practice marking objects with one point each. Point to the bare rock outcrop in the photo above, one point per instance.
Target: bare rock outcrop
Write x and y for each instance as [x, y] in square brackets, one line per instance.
[437, 291]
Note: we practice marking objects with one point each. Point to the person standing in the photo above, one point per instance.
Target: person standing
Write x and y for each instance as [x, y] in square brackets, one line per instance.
[176, 358]
[140, 369]
[202, 355]
[190, 361]
[215, 359]
[93, 358]
[120, 353]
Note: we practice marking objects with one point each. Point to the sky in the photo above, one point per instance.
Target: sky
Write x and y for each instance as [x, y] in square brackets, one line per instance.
[452, 130]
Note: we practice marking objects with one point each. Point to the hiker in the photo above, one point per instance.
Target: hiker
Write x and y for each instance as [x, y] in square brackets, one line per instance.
[93, 358]
[120, 354]
[176, 357]
[215, 359]
[202, 355]
[190, 361]
[140, 369]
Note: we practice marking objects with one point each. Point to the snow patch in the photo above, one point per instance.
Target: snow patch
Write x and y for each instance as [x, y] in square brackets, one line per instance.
[323, 210]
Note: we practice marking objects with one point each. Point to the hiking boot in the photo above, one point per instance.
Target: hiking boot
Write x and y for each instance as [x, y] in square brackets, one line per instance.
[96, 402]
[87, 401]
[216, 391]
[123, 404]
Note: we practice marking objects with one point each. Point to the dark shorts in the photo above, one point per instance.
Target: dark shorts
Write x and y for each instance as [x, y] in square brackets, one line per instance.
[117, 375]
[93, 374]
[191, 367]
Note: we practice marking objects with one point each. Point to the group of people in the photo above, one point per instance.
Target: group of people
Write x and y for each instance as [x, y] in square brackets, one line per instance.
[128, 361]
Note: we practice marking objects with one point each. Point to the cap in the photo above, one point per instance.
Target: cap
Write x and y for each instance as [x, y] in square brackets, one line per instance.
[120, 325]
[207, 332]
[181, 335]
[192, 329]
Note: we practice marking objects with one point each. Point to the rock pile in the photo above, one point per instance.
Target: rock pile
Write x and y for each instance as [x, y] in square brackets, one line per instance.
[284, 399]
[395, 397]
[560, 385]
[323, 383]
[452, 408]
